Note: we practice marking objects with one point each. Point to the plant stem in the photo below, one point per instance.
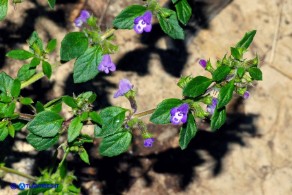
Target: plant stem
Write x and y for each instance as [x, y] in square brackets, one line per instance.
[26, 117]
[145, 113]
[107, 34]
[9, 170]
[33, 79]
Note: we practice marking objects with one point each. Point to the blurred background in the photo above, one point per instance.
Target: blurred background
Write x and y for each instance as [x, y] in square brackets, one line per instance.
[250, 154]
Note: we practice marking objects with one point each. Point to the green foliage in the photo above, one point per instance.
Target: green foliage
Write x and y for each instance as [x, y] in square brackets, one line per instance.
[25, 72]
[184, 11]
[221, 73]
[161, 114]
[246, 40]
[112, 119]
[74, 129]
[25, 100]
[15, 89]
[225, 94]
[115, 144]
[125, 20]
[36, 44]
[3, 8]
[218, 118]
[255, 73]
[3, 130]
[51, 46]
[73, 45]
[41, 143]
[45, 124]
[6, 83]
[47, 69]
[19, 54]
[52, 3]
[187, 132]
[169, 23]
[70, 101]
[240, 72]
[85, 67]
[84, 156]
[197, 86]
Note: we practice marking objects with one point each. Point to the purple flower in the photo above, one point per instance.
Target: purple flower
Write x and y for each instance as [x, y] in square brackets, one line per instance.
[143, 23]
[84, 15]
[203, 63]
[179, 114]
[124, 86]
[106, 65]
[211, 108]
[246, 95]
[148, 142]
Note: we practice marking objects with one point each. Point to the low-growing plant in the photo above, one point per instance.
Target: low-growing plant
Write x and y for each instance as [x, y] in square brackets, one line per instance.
[90, 49]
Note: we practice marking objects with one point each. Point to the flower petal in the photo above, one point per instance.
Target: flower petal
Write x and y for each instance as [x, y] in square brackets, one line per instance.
[147, 17]
[138, 28]
[148, 28]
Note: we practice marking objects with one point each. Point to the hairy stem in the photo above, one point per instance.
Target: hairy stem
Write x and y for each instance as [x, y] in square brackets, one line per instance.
[33, 79]
[26, 117]
[9, 170]
[145, 113]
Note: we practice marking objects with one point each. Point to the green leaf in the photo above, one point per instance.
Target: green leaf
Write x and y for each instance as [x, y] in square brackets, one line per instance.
[39, 107]
[221, 73]
[47, 69]
[55, 108]
[197, 86]
[255, 73]
[11, 131]
[237, 53]
[187, 132]
[109, 48]
[70, 101]
[25, 73]
[112, 119]
[3, 8]
[41, 143]
[15, 89]
[9, 111]
[3, 130]
[52, 3]
[84, 156]
[125, 20]
[25, 100]
[218, 118]
[35, 43]
[6, 83]
[95, 117]
[225, 94]
[174, 1]
[51, 45]
[85, 67]
[246, 40]
[97, 131]
[240, 72]
[18, 124]
[74, 129]
[19, 54]
[115, 144]
[45, 124]
[170, 24]
[4, 98]
[34, 62]
[161, 114]
[184, 11]
[73, 45]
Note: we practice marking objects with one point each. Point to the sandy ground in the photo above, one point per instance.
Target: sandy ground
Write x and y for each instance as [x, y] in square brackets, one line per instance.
[256, 155]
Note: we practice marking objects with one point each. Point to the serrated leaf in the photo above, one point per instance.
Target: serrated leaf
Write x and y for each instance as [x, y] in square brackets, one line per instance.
[197, 86]
[221, 73]
[15, 89]
[246, 40]
[3, 8]
[25, 73]
[73, 45]
[52, 3]
[41, 143]
[47, 68]
[218, 118]
[19, 54]
[187, 132]
[70, 101]
[45, 124]
[161, 114]
[125, 20]
[225, 94]
[112, 119]
[84, 156]
[25, 100]
[115, 144]
[169, 24]
[184, 11]
[85, 67]
[255, 73]
[51, 45]
[74, 129]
